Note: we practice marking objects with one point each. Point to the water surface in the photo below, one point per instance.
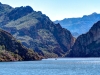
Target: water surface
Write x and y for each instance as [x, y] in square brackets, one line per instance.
[61, 66]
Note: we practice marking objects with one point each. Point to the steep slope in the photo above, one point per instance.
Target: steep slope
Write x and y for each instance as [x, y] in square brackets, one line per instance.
[88, 45]
[81, 25]
[12, 50]
[36, 31]
[4, 8]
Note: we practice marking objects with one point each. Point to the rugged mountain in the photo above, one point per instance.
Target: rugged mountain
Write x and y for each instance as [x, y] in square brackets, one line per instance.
[12, 50]
[81, 25]
[36, 31]
[88, 45]
[4, 8]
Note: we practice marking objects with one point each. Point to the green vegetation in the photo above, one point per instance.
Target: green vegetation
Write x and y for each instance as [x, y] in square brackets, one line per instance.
[9, 56]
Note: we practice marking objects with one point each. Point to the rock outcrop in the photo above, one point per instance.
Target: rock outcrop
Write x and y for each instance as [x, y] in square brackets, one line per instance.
[12, 50]
[87, 45]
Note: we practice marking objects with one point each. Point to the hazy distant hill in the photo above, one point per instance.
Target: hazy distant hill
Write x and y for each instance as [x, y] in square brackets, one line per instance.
[79, 25]
[88, 45]
[36, 31]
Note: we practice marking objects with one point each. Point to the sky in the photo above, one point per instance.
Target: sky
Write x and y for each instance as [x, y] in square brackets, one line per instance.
[59, 9]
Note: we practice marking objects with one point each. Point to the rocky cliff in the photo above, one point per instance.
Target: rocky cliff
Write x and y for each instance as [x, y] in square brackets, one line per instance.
[12, 50]
[88, 45]
[36, 31]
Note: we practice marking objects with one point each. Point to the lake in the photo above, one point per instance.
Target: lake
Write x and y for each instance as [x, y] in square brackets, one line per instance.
[61, 66]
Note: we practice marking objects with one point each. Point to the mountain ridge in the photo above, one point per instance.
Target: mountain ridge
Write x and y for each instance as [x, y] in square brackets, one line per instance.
[79, 25]
[36, 31]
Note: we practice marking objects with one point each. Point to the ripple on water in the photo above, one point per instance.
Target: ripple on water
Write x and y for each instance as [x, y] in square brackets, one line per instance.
[61, 66]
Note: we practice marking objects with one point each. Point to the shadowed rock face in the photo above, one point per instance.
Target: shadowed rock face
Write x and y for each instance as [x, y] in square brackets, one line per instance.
[12, 50]
[88, 45]
[36, 31]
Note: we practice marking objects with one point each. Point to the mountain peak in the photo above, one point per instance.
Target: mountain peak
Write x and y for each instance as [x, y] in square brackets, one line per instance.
[28, 8]
[36, 31]
[4, 8]
[94, 13]
[19, 12]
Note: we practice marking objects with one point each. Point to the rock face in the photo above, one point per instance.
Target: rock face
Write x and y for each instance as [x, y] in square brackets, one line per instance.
[4, 8]
[81, 25]
[12, 50]
[36, 31]
[88, 45]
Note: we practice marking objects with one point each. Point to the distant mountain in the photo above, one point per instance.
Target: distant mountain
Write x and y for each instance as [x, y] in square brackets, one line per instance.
[88, 45]
[81, 25]
[36, 31]
[12, 50]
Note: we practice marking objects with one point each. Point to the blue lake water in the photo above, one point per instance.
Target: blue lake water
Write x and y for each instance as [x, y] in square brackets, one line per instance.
[61, 66]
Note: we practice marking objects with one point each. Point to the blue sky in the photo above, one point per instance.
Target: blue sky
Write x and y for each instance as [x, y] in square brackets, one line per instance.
[59, 9]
